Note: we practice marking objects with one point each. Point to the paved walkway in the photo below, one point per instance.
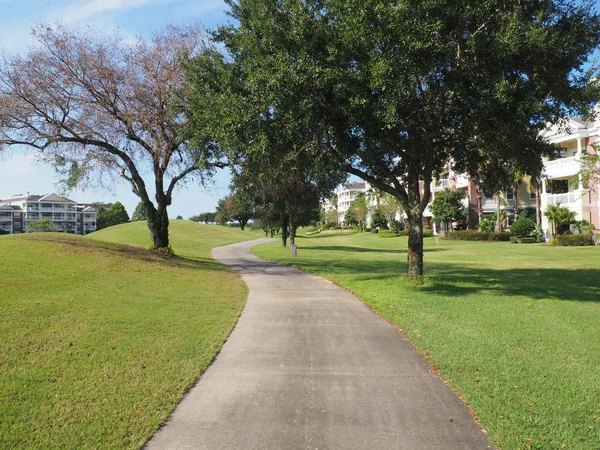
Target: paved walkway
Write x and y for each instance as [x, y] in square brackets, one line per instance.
[309, 366]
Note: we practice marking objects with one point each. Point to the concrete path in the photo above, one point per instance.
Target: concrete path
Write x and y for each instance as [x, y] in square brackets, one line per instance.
[309, 366]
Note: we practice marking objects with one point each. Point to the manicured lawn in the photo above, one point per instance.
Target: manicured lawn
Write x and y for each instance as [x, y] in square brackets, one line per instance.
[515, 329]
[98, 341]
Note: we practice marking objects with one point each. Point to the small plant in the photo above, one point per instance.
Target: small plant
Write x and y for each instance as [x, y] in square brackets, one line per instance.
[164, 250]
[486, 225]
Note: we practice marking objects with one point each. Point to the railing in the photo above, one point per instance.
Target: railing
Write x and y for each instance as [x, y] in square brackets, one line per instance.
[563, 199]
[562, 167]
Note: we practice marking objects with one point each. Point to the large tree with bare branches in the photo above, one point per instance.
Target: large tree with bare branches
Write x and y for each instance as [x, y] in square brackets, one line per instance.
[97, 105]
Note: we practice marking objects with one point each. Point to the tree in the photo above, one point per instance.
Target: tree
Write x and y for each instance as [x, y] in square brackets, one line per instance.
[114, 215]
[390, 207]
[139, 213]
[223, 214]
[447, 206]
[41, 226]
[331, 217]
[179, 218]
[378, 219]
[360, 209]
[242, 207]
[561, 217]
[208, 217]
[397, 90]
[100, 106]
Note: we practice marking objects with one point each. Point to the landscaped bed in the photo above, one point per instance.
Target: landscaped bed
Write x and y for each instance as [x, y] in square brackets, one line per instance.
[98, 341]
[514, 329]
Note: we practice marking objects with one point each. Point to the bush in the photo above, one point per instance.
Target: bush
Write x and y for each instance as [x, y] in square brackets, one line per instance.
[523, 226]
[3, 231]
[523, 240]
[386, 233]
[528, 213]
[396, 226]
[164, 250]
[374, 230]
[574, 239]
[472, 235]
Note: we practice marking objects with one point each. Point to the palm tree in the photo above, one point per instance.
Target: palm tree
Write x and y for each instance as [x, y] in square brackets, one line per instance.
[560, 217]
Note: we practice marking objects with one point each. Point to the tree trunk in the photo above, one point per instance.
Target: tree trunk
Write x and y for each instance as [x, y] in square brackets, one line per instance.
[285, 219]
[516, 200]
[498, 221]
[415, 245]
[538, 205]
[158, 224]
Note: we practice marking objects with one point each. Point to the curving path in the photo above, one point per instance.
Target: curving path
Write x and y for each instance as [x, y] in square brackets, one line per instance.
[309, 366]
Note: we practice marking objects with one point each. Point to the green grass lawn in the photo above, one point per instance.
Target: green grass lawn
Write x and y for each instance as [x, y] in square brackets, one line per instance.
[515, 329]
[99, 341]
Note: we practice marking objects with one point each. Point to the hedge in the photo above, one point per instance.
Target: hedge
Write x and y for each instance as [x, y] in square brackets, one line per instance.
[523, 240]
[574, 239]
[389, 234]
[473, 235]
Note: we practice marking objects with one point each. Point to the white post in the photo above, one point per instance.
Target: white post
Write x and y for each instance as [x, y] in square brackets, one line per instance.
[580, 185]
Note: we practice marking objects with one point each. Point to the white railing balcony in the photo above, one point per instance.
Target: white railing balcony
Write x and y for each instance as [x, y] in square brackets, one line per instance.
[572, 200]
[440, 185]
[562, 167]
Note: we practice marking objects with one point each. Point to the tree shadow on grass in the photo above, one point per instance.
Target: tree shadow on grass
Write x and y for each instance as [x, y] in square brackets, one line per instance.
[133, 253]
[447, 279]
[561, 284]
[342, 248]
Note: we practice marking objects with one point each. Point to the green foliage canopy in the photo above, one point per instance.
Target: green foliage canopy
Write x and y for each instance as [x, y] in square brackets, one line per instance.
[396, 90]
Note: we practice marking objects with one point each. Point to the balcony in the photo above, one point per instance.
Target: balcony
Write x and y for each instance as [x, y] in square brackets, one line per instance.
[5, 228]
[440, 185]
[573, 200]
[563, 167]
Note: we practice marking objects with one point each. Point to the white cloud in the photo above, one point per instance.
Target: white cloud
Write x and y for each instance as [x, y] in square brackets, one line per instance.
[80, 13]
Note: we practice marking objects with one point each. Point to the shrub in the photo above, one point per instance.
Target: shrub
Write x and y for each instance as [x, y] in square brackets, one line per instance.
[396, 226]
[574, 239]
[528, 213]
[164, 250]
[523, 226]
[523, 240]
[386, 233]
[3, 231]
[472, 235]
[583, 226]
[374, 230]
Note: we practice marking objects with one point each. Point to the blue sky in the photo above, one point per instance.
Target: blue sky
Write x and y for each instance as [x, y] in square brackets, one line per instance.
[19, 172]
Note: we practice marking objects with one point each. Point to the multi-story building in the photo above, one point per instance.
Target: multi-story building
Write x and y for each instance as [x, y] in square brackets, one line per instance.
[563, 181]
[346, 194]
[18, 211]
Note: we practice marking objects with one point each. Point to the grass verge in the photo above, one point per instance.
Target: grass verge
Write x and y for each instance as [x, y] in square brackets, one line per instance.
[99, 341]
[514, 329]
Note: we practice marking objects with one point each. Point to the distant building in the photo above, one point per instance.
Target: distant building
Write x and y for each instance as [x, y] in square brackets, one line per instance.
[66, 215]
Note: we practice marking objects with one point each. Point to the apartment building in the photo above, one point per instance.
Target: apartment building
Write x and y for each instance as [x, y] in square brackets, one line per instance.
[563, 182]
[18, 211]
[346, 194]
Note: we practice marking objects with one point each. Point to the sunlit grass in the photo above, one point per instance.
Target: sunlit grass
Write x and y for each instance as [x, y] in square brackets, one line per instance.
[514, 328]
[98, 342]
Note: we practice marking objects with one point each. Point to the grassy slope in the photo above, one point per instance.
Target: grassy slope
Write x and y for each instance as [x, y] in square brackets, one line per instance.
[98, 342]
[514, 328]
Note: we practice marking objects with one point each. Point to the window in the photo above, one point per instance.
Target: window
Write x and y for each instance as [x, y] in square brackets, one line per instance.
[532, 195]
[17, 224]
[510, 194]
[17, 215]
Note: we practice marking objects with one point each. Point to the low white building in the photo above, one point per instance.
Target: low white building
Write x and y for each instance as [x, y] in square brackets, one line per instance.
[18, 211]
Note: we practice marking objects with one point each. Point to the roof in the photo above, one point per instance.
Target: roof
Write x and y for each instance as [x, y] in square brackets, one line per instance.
[355, 185]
